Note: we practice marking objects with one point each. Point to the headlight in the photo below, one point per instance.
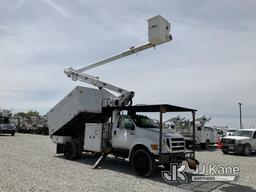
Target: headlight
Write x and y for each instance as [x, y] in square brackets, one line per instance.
[189, 155]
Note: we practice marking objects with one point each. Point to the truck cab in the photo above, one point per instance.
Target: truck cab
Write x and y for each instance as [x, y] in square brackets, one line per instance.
[131, 130]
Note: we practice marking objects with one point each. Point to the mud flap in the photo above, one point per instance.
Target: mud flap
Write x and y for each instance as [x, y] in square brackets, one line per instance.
[192, 163]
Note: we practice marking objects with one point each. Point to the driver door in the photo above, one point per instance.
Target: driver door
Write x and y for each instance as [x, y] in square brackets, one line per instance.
[124, 133]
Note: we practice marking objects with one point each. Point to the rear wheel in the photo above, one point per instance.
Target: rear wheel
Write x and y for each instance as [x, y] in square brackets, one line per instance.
[207, 144]
[79, 149]
[143, 162]
[70, 150]
[247, 150]
[13, 133]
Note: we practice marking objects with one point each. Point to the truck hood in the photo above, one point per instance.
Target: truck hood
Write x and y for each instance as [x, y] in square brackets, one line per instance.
[166, 132]
[236, 137]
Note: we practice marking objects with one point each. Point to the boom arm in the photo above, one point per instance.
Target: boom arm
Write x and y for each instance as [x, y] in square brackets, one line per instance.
[124, 99]
[130, 51]
[159, 29]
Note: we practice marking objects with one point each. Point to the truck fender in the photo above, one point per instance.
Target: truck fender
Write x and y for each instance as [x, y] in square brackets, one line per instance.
[143, 143]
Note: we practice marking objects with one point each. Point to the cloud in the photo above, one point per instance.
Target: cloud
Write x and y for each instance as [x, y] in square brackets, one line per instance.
[15, 7]
[56, 7]
[209, 65]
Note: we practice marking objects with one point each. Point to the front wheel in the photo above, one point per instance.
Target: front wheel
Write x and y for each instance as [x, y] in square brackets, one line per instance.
[143, 162]
[247, 150]
[13, 133]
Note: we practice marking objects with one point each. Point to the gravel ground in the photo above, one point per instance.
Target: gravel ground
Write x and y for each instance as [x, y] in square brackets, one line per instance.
[29, 163]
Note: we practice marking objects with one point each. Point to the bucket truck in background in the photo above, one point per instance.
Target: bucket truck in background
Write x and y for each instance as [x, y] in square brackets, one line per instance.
[204, 135]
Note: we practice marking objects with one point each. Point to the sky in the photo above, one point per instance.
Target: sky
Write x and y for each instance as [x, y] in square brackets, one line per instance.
[209, 65]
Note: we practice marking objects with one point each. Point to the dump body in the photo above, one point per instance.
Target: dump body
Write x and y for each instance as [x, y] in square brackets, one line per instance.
[81, 101]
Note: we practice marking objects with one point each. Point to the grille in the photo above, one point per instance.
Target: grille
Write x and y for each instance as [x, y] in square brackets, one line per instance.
[177, 139]
[175, 144]
[227, 141]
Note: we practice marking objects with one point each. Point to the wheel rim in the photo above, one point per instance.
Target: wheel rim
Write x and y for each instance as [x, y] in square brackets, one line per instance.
[247, 150]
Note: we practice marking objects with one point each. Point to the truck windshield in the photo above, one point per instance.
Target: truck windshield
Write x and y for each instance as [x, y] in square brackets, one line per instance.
[144, 122]
[243, 133]
[232, 130]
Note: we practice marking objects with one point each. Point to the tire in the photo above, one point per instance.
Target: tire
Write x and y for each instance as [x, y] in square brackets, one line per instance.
[167, 167]
[70, 150]
[143, 163]
[224, 152]
[207, 144]
[202, 145]
[13, 133]
[79, 149]
[247, 149]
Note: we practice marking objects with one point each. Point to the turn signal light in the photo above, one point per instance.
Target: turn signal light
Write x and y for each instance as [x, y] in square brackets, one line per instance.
[154, 146]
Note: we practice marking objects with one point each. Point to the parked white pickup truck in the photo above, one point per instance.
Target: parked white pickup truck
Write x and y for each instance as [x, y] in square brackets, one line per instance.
[242, 141]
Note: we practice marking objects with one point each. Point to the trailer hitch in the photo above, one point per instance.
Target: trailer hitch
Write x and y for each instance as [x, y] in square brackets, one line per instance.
[192, 163]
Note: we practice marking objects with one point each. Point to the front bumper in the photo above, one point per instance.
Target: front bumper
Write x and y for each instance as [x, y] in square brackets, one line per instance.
[168, 158]
[232, 148]
[7, 131]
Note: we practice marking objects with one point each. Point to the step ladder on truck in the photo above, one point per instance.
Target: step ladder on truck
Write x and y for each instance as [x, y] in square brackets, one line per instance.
[97, 121]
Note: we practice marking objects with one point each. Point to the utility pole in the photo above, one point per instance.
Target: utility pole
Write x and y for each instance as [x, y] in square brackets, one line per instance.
[240, 112]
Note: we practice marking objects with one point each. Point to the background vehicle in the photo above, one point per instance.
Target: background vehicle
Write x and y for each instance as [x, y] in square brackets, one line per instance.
[95, 120]
[230, 131]
[243, 141]
[204, 135]
[5, 125]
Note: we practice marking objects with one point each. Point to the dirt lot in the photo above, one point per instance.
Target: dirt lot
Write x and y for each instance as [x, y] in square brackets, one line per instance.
[29, 163]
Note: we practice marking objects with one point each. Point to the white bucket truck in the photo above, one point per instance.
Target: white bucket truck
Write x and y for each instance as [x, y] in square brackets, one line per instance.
[204, 135]
[95, 120]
